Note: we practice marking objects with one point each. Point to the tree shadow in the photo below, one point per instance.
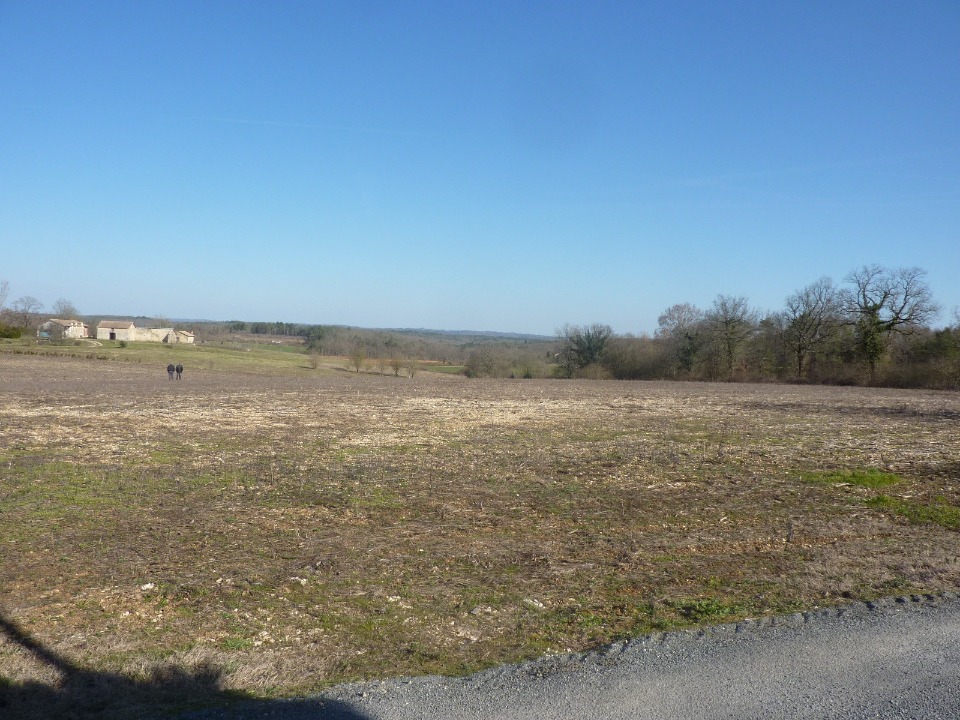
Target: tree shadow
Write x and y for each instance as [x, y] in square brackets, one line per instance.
[170, 692]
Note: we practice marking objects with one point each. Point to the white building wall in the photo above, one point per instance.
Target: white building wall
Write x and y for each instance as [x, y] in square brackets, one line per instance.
[75, 332]
[122, 333]
[153, 334]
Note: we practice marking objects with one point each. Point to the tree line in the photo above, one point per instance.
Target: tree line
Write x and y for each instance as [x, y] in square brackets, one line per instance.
[873, 330]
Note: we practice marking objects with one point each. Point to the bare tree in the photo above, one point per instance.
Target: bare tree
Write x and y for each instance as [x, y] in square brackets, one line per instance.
[25, 310]
[413, 366]
[811, 316]
[64, 309]
[482, 362]
[4, 292]
[681, 328]
[882, 302]
[730, 321]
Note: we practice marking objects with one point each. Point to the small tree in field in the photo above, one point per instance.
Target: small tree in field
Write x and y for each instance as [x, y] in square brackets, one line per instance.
[357, 358]
[482, 362]
[396, 364]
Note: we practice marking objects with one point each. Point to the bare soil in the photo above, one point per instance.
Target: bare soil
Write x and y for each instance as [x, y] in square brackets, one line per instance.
[292, 532]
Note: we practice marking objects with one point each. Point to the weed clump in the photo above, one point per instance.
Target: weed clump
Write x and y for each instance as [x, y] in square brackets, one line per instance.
[704, 610]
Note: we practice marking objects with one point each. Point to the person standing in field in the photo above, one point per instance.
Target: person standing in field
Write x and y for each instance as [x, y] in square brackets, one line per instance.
[170, 369]
[179, 370]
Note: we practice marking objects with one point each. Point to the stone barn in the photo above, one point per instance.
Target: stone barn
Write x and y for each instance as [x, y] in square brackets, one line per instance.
[116, 330]
[125, 330]
[160, 335]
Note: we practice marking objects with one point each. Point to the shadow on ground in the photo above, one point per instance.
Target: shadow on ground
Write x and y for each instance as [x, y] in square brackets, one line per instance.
[81, 694]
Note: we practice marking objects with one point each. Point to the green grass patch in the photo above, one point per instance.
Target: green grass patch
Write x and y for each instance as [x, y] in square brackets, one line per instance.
[936, 513]
[259, 358]
[236, 643]
[868, 478]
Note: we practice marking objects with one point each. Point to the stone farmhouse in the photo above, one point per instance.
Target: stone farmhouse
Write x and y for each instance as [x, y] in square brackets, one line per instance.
[57, 329]
[126, 330]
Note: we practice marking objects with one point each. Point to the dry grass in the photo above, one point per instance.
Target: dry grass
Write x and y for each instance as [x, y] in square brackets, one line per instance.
[294, 531]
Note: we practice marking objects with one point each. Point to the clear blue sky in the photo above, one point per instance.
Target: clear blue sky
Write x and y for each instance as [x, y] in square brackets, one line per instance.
[504, 166]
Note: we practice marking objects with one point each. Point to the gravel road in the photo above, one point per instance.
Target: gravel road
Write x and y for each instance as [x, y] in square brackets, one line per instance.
[896, 658]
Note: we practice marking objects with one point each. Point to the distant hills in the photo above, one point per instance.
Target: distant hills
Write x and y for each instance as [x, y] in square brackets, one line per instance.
[145, 321]
[470, 333]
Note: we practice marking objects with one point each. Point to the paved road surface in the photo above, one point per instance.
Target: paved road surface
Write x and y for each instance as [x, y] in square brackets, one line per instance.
[898, 658]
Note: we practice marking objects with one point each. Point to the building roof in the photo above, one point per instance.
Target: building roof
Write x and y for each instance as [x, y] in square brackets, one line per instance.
[115, 324]
[66, 323]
